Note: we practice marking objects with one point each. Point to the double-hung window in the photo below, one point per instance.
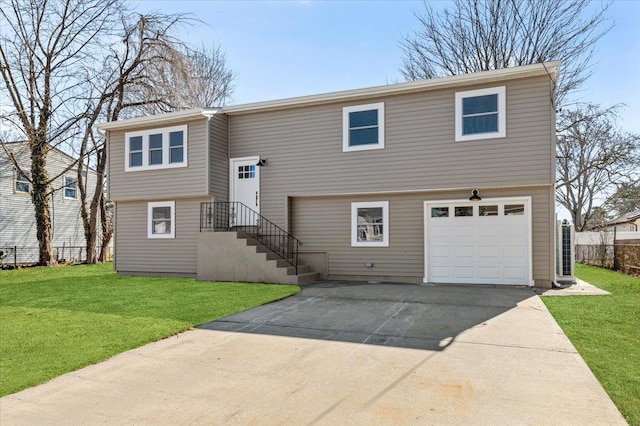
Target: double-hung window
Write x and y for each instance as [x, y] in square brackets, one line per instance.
[70, 188]
[161, 219]
[156, 149]
[480, 114]
[370, 224]
[22, 185]
[176, 147]
[363, 127]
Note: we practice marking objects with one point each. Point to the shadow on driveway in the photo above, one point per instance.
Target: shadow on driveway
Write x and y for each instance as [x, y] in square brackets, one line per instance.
[401, 315]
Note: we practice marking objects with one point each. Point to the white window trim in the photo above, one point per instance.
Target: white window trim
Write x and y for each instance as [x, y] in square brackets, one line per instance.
[64, 188]
[385, 223]
[165, 148]
[15, 183]
[151, 206]
[502, 113]
[345, 127]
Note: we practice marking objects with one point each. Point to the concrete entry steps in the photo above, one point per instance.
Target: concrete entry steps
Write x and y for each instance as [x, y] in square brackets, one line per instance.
[304, 273]
[235, 256]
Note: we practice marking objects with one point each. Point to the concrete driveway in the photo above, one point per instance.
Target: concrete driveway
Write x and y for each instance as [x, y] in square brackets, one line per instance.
[342, 354]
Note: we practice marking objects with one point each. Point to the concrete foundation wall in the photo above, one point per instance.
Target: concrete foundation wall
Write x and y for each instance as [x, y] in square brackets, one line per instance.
[222, 256]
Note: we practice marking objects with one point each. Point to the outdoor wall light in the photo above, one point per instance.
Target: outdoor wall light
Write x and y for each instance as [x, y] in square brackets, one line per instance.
[475, 195]
[262, 162]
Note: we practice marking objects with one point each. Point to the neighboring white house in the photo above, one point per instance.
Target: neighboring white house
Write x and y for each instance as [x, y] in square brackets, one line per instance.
[17, 217]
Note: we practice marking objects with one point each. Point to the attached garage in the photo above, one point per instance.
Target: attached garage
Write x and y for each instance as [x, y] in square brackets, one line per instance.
[483, 242]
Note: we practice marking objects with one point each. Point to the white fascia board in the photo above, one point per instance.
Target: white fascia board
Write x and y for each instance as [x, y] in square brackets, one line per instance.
[160, 119]
[547, 68]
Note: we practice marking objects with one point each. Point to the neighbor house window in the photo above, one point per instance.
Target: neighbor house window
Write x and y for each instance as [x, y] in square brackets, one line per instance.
[363, 127]
[22, 184]
[480, 114]
[156, 149]
[161, 219]
[70, 187]
[370, 224]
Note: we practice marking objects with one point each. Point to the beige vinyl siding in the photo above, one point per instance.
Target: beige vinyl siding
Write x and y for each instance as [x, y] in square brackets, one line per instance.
[323, 224]
[304, 147]
[135, 253]
[150, 184]
[219, 157]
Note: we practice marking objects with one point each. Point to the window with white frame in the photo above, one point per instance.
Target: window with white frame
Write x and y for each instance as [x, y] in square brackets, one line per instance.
[156, 149]
[370, 224]
[22, 184]
[161, 219]
[70, 187]
[480, 114]
[363, 127]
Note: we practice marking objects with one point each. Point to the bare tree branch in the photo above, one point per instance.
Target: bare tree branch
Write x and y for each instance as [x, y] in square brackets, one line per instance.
[483, 35]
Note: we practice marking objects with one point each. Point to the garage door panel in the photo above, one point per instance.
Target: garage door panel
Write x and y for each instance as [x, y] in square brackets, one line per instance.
[463, 252]
[463, 273]
[439, 251]
[487, 230]
[487, 249]
[514, 273]
[515, 231]
[492, 252]
[462, 231]
[488, 273]
[442, 231]
[512, 252]
[440, 272]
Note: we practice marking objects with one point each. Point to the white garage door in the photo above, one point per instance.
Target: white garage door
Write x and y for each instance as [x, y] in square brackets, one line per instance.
[485, 242]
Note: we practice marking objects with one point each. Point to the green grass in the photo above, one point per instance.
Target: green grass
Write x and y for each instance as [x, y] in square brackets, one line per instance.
[56, 320]
[606, 332]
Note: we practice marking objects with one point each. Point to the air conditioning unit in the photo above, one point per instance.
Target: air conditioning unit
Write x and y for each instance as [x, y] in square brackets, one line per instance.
[565, 253]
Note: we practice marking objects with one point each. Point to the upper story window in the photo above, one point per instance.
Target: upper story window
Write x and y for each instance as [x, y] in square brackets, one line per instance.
[156, 148]
[363, 127]
[22, 184]
[481, 114]
[370, 224]
[70, 187]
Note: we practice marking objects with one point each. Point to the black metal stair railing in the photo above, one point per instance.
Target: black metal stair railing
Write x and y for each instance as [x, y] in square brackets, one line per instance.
[235, 216]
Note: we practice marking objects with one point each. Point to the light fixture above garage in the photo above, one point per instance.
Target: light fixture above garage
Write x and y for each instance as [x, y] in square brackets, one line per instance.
[475, 195]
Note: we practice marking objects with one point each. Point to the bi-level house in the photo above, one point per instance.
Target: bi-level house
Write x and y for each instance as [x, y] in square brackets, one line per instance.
[449, 180]
[18, 240]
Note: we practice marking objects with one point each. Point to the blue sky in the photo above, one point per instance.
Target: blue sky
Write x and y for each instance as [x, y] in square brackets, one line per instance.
[295, 48]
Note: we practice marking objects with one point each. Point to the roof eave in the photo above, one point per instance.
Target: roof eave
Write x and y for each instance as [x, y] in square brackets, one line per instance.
[547, 68]
[168, 118]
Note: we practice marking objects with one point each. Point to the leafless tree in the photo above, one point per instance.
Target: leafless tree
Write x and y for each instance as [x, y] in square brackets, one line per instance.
[483, 35]
[194, 78]
[41, 45]
[69, 64]
[150, 71]
[593, 157]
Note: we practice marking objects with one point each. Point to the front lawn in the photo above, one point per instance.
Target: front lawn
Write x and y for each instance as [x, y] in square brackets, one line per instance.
[606, 332]
[56, 320]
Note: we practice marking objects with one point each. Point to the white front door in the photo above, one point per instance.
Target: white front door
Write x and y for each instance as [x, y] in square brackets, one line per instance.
[485, 242]
[244, 185]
